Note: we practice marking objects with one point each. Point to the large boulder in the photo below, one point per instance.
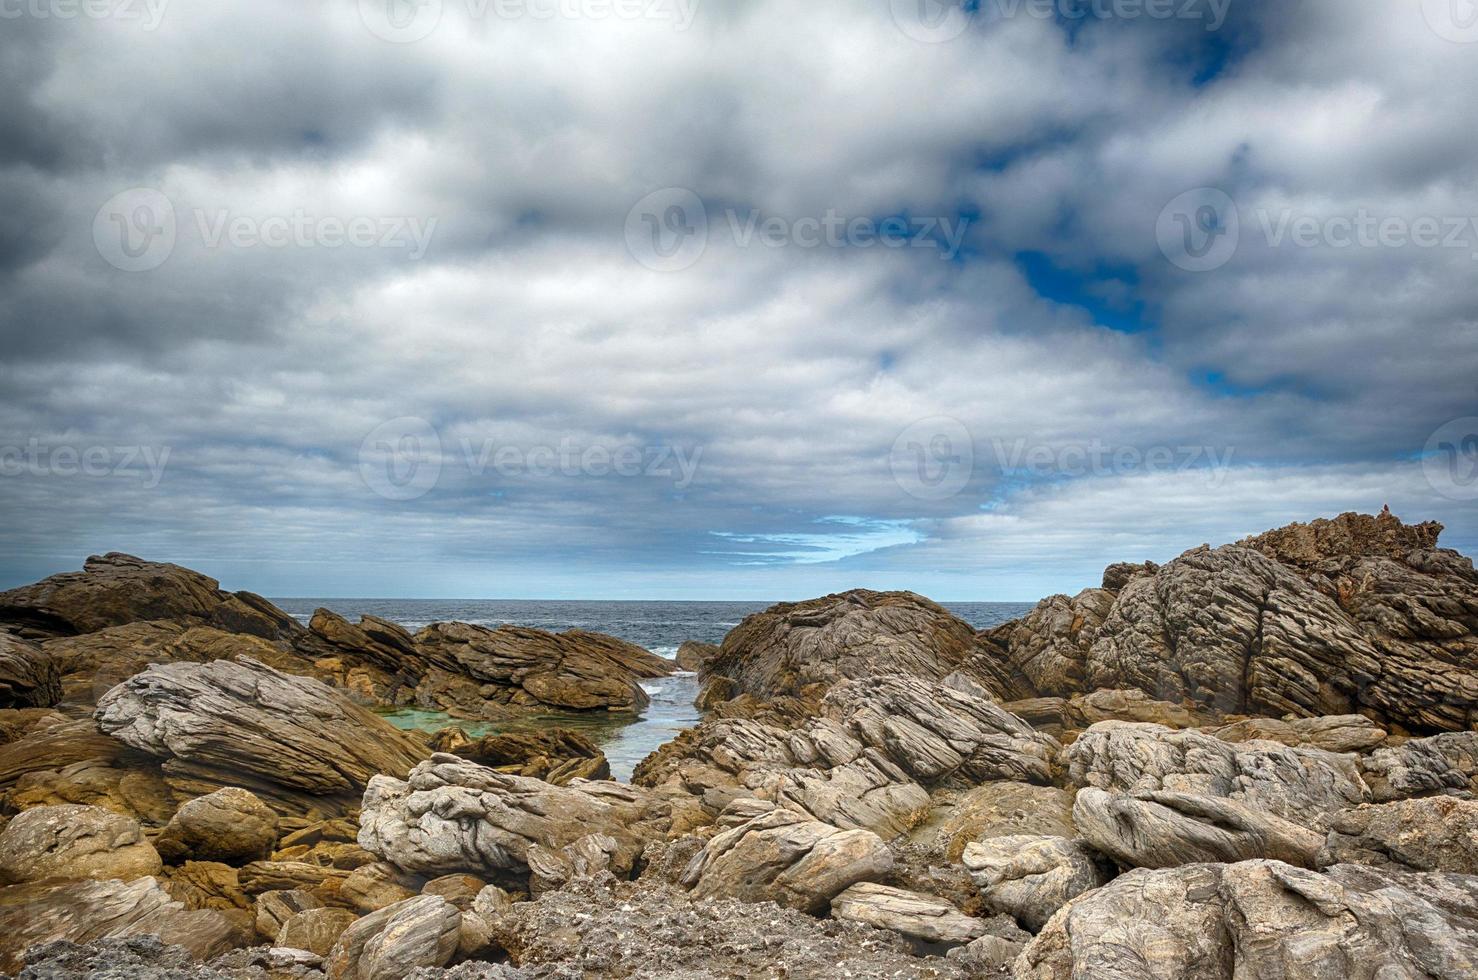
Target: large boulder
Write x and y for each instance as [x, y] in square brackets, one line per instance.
[1263, 919]
[29, 678]
[294, 741]
[529, 668]
[1030, 877]
[794, 646]
[230, 825]
[86, 911]
[75, 842]
[393, 942]
[1296, 784]
[1437, 834]
[1163, 830]
[115, 589]
[452, 816]
[784, 857]
[917, 916]
[1446, 763]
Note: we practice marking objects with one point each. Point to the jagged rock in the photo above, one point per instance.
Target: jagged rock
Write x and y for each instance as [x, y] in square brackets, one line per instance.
[56, 747]
[132, 958]
[555, 755]
[910, 914]
[274, 909]
[84, 911]
[139, 792]
[387, 645]
[75, 842]
[693, 655]
[230, 825]
[29, 678]
[264, 876]
[452, 816]
[1049, 645]
[316, 930]
[794, 645]
[460, 890]
[294, 741]
[115, 589]
[1446, 763]
[1031, 877]
[390, 943]
[450, 740]
[1164, 830]
[987, 956]
[1084, 710]
[1296, 784]
[207, 885]
[372, 887]
[1000, 810]
[1338, 733]
[1439, 834]
[1263, 919]
[528, 668]
[786, 858]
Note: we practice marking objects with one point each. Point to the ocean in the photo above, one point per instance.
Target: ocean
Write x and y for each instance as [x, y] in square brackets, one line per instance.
[660, 627]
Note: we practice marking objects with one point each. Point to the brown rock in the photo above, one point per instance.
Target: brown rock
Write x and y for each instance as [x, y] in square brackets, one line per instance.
[316, 930]
[75, 842]
[391, 943]
[230, 825]
[555, 755]
[274, 909]
[29, 678]
[372, 887]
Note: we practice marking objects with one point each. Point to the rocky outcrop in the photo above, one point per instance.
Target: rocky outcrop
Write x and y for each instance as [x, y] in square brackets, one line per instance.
[795, 646]
[999, 810]
[910, 914]
[452, 816]
[528, 668]
[29, 678]
[1297, 784]
[1164, 830]
[693, 655]
[783, 857]
[295, 742]
[1356, 615]
[85, 911]
[115, 589]
[1262, 919]
[1336, 733]
[75, 842]
[230, 826]
[555, 755]
[391, 943]
[316, 930]
[1030, 878]
[1419, 835]
[1446, 763]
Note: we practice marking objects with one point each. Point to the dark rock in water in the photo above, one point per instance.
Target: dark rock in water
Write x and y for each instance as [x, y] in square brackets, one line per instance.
[29, 678]
[693, 655]
[528, 668]
[297, 743]
[794, 646]
[555, 755]
[116, 589]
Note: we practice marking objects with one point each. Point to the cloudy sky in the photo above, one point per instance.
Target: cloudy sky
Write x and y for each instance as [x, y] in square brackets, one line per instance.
[728, 298]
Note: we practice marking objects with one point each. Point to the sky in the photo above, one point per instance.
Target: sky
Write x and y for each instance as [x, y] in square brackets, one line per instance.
[728, 299]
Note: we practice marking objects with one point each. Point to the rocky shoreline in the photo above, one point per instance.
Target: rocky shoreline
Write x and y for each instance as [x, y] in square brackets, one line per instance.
[1257, 760]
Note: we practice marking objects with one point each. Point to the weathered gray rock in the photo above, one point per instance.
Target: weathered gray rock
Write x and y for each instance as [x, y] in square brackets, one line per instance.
[452, 816]
[794, 645]
[293, 741]
[1337, 733]
[1049, 645]
[85, 911]
[1437, 834]
[1446, 763]
[1296, 784]
[1263, 919]
[1152, 829]
[1000, 810]
[988, 956]
[1031, 877]
[390, 943]
[910, 914]
[230, 825]
[786, 858]
[75, 842]
[275, 909]
[316, 930]
[29, 677]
